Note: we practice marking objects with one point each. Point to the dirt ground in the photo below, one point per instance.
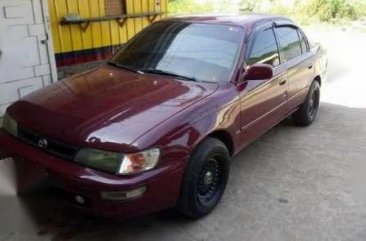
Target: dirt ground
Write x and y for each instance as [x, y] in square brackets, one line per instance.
[292, 184]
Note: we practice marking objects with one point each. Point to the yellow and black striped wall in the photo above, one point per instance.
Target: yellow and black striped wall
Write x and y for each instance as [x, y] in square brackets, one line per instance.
[91, 30]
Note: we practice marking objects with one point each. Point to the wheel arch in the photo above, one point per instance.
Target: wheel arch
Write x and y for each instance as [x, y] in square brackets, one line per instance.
[319, 79]
[225, 138]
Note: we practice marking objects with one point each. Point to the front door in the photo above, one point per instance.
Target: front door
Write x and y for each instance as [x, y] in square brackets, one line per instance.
[263, 102]
[26, 54]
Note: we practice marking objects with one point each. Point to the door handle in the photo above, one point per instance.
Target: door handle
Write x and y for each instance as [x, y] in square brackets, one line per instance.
[282, 82]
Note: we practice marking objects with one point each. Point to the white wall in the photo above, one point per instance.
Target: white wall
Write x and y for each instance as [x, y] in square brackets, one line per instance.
[25, 64]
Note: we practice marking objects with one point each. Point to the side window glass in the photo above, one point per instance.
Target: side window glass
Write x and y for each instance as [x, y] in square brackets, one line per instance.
[290, 46]
[304, 45]
[264, 49]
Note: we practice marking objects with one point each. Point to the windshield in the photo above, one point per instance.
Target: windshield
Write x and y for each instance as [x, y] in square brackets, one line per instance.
[205, 52]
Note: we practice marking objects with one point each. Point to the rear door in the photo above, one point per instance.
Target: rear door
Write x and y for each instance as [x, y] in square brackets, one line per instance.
[263, 102]
[295, 54]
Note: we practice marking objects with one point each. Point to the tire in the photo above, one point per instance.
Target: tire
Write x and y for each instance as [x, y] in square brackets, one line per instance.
[306, 114]
[205, 179]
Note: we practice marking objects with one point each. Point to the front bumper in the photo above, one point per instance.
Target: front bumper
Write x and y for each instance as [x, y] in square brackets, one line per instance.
[163, 183]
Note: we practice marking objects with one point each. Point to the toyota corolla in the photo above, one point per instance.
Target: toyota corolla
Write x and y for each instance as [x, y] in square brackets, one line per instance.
[155, 127]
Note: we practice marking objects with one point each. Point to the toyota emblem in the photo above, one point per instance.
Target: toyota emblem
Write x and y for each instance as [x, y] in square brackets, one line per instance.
[43, 143]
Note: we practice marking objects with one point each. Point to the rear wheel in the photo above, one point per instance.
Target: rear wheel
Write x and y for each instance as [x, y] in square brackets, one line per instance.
[306, 114]
[205, 179]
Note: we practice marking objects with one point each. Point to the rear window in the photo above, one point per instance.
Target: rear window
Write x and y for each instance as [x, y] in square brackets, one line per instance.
[290, 46]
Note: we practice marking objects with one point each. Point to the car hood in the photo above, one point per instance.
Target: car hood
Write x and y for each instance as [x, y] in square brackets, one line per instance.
[107, 105]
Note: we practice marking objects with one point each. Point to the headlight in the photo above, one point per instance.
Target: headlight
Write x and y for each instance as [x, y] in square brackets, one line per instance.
[10, 125]
[139, 162]
[117, 163]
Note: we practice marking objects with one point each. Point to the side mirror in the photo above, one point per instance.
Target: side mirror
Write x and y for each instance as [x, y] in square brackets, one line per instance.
[259, 72]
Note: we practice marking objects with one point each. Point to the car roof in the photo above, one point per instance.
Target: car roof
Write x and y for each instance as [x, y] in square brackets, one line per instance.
[245, 20]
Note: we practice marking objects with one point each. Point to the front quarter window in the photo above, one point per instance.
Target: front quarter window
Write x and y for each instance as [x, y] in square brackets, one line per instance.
[206, 52]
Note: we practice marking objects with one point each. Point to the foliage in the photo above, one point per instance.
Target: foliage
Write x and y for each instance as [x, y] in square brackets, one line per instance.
[188, 6]
[327, 10]
[302, 10]
[249, 5]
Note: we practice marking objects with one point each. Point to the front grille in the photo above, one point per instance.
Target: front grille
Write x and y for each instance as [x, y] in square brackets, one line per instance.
[54, 147]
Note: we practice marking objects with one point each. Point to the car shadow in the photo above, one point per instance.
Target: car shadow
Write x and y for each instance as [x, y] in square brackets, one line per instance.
[44, 207]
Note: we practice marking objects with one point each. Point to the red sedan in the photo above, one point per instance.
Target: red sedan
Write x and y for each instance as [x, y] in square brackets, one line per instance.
[156, 126]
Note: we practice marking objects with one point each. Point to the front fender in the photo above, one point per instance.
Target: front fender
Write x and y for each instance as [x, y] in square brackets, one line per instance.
[178, 136]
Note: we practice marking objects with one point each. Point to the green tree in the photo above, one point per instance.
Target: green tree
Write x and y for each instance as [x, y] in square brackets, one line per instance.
[327, 10]
[250, 5]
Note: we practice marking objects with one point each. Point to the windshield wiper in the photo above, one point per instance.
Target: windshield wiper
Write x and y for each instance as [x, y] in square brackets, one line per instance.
[168, 73]
[125, 67]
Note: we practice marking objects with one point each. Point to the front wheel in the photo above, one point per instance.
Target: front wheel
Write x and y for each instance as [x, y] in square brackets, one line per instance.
[306, 114]
[205, 179]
